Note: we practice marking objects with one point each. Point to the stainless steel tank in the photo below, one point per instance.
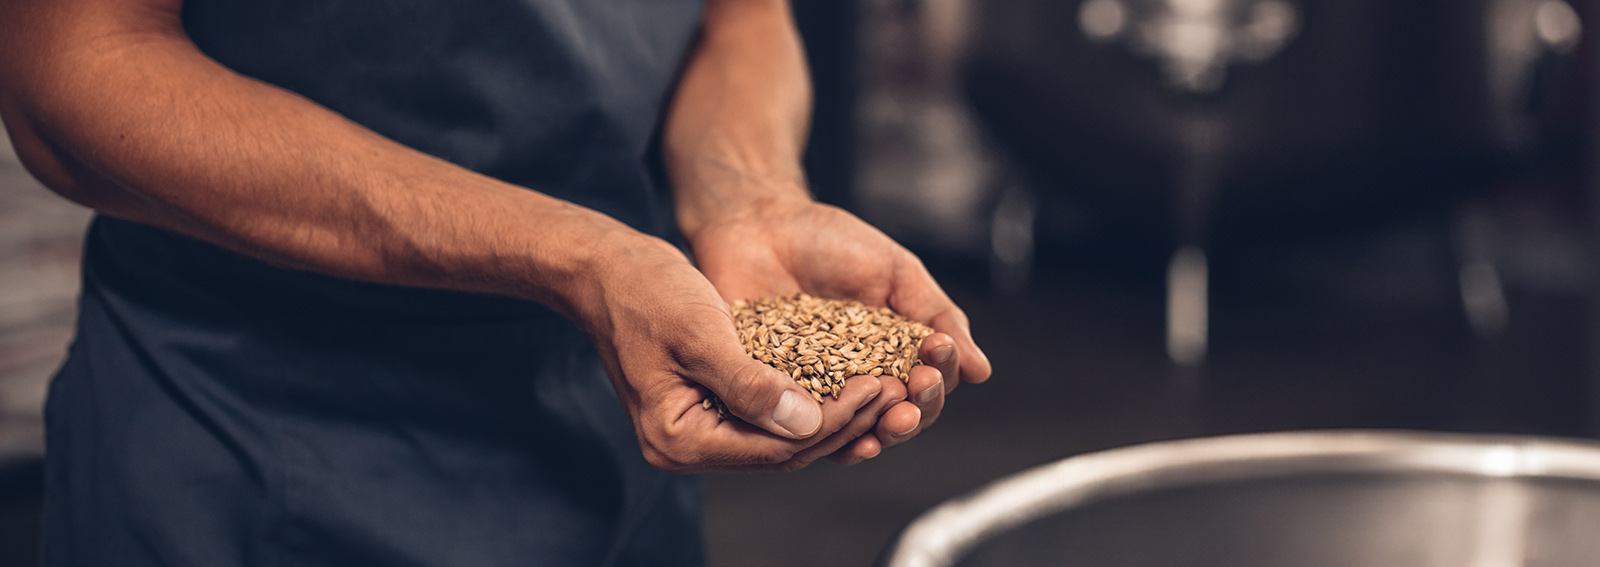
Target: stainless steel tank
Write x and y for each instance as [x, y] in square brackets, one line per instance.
[1314, 499]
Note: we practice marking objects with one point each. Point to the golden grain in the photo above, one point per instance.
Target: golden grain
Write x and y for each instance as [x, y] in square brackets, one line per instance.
[818, 342]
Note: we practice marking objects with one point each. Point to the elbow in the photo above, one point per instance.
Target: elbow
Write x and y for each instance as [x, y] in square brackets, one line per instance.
[51, 165]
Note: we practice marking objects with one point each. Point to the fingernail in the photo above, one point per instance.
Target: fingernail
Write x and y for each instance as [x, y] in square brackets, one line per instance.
[903, 434]
[875, 453]
[928, 394]
[942, 354]
[797, 414]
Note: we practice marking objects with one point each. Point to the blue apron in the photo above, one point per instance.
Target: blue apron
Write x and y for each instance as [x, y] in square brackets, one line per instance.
[215, 410]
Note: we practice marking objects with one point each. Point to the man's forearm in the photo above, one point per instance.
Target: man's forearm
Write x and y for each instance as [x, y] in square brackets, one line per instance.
[738, 121]
[133, 120]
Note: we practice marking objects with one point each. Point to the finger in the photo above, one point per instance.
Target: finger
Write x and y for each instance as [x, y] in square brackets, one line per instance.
[928, 384]
[861, 423]
[917, 296]
[939, 351]
[863, 448]
[759, 394]
[929, 403]
[898, 424]
[859, 403]
[953, 322]
[893, 392]
[699, 441]
[740, 446]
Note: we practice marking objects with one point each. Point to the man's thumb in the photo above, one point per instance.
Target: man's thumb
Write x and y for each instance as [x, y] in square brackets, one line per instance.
[769, 399]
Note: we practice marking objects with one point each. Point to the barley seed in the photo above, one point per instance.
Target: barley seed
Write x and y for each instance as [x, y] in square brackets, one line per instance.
[819, 342]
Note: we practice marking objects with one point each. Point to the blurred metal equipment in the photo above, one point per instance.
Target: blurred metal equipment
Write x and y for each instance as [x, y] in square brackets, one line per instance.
[1204, 124]
[1194, 39]
[1482, 295]
[1188, 323]
[1011, 235]
[1521, 35]
[1310, 499]
[925, 174]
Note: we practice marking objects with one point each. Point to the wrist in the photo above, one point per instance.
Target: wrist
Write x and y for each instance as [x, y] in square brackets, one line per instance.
[608, 267]
[560, 260]
[706, 206]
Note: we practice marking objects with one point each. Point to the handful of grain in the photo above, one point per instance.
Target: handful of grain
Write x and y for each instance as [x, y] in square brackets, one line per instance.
[821, 342]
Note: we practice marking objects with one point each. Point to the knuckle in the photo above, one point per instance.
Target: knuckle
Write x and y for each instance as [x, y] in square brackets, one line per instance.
[747, 389]
[661, 436]
[894, 391]
[662, 246]
[663, 461]
[779, 457]
[790, 466]
[665, 447]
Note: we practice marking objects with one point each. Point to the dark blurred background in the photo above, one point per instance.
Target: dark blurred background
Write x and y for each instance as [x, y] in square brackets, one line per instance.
[1166, 218]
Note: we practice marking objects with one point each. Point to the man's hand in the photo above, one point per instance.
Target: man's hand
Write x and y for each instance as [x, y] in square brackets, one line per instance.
[792, 245]
[732, 144]
[667, 338]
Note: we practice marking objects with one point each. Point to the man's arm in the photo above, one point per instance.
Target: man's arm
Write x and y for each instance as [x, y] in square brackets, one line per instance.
[738, 123]
[732, 146]
[111, 105]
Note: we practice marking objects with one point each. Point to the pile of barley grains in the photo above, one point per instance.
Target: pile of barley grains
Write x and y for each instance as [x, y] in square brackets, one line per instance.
[821, 342]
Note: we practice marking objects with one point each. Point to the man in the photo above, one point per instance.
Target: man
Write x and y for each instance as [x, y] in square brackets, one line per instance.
[361, 268]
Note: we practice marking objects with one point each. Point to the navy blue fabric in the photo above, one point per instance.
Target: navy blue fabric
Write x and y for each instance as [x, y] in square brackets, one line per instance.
[215, 410]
